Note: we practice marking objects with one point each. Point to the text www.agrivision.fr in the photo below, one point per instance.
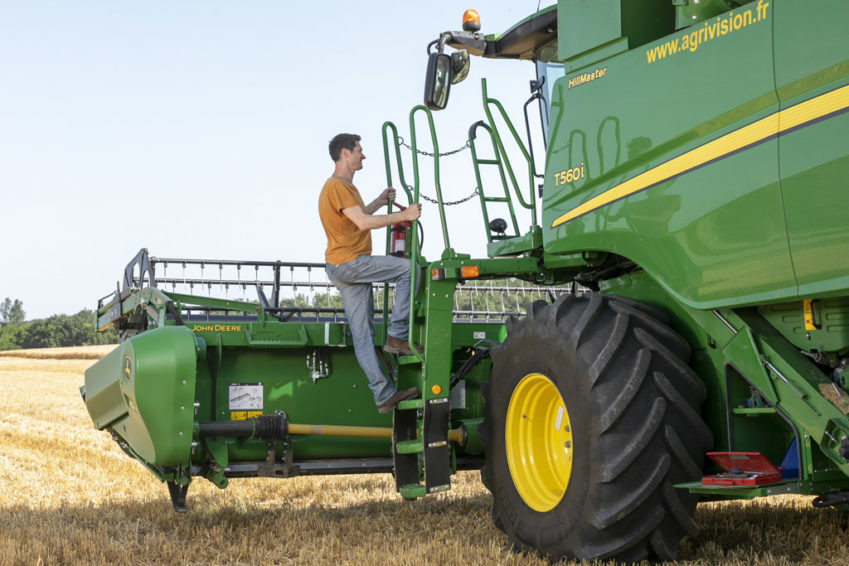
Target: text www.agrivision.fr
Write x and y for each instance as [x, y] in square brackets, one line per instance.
[710, 30]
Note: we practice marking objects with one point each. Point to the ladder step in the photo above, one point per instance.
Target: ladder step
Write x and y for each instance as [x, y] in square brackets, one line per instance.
[409, 446]
[489, 162]
[496, 199]
[410, 404]
[408, 360]
[412, 491]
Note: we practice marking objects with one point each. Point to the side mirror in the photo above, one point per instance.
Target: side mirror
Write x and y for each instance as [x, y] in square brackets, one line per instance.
[459, 66]
[437, 81]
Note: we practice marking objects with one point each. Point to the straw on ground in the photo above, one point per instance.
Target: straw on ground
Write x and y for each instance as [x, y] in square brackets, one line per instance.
[69, 495]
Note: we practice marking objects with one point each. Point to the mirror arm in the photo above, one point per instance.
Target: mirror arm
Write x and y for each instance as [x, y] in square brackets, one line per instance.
[439, 43]
[473, 42]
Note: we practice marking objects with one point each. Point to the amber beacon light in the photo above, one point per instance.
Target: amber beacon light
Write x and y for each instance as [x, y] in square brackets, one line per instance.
[471, 20]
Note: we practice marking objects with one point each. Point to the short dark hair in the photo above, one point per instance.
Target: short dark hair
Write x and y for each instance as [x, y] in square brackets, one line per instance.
[340, 142]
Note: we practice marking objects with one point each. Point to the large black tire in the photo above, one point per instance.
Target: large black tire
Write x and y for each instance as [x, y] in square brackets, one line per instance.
[635, 430]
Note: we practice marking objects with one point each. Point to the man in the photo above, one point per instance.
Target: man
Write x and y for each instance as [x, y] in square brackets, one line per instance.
[352, 269]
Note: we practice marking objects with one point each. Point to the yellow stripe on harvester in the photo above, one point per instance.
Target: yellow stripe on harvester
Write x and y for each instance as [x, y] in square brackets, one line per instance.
[790, 118]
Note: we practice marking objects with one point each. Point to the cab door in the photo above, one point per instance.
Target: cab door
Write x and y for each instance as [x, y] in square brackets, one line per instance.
[812, 80]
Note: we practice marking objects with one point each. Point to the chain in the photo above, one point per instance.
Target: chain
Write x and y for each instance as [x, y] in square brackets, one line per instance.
[461, 201]
[420, 152]
[447, 153]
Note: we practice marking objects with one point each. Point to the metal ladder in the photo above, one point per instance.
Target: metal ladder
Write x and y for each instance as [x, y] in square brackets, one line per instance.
[420, 448]
[505, 169]
[491, 232]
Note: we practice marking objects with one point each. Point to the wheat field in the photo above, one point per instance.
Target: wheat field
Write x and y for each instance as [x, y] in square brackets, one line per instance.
[69, 495]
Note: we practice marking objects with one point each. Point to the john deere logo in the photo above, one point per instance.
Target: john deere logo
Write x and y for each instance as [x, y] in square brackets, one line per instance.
[128, 368]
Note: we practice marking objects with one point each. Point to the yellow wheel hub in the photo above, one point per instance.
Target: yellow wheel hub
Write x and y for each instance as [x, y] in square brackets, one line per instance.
[538, 442]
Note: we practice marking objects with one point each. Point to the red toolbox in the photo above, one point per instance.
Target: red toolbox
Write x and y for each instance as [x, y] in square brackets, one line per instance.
[742, 468]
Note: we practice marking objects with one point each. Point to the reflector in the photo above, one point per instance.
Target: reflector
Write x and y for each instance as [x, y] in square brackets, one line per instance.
[469, 271]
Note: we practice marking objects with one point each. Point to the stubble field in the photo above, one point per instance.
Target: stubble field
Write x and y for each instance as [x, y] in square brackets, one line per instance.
[69, 495]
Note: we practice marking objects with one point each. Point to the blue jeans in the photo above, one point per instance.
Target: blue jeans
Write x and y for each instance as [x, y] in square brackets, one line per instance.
[354, 279]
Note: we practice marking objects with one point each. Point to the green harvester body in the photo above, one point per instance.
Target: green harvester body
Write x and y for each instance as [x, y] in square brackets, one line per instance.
[696, 166]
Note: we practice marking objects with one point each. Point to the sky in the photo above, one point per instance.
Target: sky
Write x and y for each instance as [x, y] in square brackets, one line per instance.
[200, 129]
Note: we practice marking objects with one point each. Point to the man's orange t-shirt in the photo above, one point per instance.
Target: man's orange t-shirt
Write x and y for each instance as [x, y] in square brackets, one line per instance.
[344, 240]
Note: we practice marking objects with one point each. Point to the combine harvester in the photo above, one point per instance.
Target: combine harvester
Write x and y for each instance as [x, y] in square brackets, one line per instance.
[696, 154]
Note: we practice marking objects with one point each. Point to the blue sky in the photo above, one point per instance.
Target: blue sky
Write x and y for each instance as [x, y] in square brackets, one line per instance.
[199, 129]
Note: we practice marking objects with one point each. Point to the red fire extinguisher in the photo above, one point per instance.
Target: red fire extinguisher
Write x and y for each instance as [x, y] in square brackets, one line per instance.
[398, 241]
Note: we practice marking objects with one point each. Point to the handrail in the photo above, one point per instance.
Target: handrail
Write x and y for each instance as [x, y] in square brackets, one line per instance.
[400, 168]
[436, 180]
[414, 199]
[399, 164]
[414, 230]
[497, 160]
[487, 101]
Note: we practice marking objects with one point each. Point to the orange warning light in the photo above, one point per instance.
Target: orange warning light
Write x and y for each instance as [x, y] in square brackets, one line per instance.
[469, 271]
[436, 390]
[471, 20]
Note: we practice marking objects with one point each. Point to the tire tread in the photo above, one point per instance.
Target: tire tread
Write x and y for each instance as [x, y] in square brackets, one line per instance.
[632, 368]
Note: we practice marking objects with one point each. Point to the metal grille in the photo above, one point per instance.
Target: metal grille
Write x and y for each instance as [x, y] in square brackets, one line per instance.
[304, 289]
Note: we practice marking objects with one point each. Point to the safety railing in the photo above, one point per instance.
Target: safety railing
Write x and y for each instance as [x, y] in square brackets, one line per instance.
[486, 196]
[501, 160]
[414, 254]
[392, 149]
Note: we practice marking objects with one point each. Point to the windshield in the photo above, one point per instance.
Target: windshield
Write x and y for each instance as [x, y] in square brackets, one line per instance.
[551, 72]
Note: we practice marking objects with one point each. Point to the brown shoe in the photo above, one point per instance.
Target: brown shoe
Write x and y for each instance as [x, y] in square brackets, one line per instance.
[398, 346]
[400, 395]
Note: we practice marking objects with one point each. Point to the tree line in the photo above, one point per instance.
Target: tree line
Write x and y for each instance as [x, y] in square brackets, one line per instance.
[57, 331]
